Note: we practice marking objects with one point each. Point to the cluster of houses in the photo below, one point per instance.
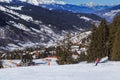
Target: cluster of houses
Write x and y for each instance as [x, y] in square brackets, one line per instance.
[77, 48]
[27, 56]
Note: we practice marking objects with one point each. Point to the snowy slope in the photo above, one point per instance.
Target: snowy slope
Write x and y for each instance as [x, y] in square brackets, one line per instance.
[8, 1]
[21, 26]
[61, 5]
[38, 2]
[110, 13]
[81, 71]
[79, 37]
[35, 2]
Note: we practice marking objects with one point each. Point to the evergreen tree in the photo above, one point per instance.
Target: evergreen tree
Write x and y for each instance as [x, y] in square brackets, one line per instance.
[63, 52]
[102, 38]
[91, 53]
[98, 45]
[113, 30]
[116, 46]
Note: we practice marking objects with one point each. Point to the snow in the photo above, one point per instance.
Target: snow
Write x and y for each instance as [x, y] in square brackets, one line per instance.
[36, 30]
[8, 1]
[12, 16]
[44, 29]
[104, 59]
[84, 50]
[21, 46]
[34, 2]
[80, 29]
[50, 9]
[47, 29]
[22, 16]
[85, 18]
[15, 7]
[111, 14]
[2, 33]
[75, 56]
[12, 46]
[37, 2]
[81, 71]
[20, 26]
[96, 22]
[25, 17]
[37, 22]
[8, 64]
[90, 4]
[79, 37]
[50, 2]
[27, 44]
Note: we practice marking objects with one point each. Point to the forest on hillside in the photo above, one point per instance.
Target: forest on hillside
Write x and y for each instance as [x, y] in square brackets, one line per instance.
[105, 41]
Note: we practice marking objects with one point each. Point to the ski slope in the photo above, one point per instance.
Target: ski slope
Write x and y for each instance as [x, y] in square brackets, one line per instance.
[81, 71]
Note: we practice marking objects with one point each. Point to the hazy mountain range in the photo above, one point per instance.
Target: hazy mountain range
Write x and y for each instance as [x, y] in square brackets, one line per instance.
[27, 23]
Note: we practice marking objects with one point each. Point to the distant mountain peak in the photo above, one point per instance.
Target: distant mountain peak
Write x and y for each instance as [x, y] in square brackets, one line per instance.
[89, 4]
[36, 2]
[7, 1]
[92, 4]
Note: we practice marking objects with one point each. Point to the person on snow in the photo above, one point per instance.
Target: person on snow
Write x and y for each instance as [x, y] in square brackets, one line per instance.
[97, 61]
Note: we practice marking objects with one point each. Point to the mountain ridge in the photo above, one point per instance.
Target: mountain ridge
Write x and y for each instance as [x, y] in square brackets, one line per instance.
[21, 25]
[35, 2]
[75, 8]
[110, 13]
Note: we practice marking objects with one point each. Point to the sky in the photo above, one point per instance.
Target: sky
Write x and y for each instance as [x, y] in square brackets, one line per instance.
[103, 2]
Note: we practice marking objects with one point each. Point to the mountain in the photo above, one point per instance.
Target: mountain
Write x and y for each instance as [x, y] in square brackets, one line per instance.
[109, 13]
[75, 8]
[23, 25]
[68, 7]
[60, 5]
[34, 2]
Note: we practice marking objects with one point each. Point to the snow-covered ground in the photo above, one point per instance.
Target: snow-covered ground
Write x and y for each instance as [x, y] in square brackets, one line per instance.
[36, 2]
[111, 14]
[81, 71]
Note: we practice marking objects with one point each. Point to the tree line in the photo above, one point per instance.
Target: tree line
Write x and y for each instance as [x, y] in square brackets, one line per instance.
[105, 41]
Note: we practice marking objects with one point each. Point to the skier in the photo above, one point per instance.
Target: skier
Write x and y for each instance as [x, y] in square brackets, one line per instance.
[49, 63]
[97, 61]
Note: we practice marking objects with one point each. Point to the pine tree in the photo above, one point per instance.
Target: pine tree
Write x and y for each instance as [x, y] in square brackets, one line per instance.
[98, 45]
[116, 46]
[63, 52]
[91, 53]
[115, 39]
[113, 30]
[103, 34]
